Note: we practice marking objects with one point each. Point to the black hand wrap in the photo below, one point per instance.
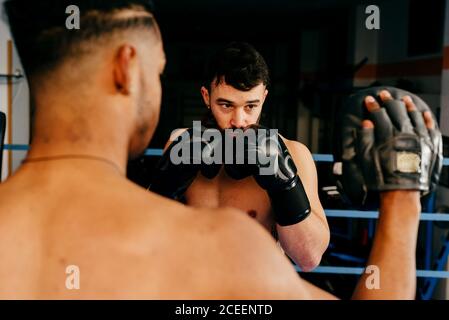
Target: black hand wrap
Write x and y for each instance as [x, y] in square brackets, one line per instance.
[400, 153]
[267, 158]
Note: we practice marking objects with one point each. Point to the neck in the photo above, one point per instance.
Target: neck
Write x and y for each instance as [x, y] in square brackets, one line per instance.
[92, 132]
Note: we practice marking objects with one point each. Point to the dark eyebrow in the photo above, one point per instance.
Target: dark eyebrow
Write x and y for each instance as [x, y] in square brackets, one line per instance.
[230, 102]
[224, 100]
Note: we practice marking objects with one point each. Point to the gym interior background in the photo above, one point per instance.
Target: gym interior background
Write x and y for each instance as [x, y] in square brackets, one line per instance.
[318, 51]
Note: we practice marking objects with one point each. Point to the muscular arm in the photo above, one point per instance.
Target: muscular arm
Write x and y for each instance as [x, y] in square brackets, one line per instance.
[305, 242]
[393, 251]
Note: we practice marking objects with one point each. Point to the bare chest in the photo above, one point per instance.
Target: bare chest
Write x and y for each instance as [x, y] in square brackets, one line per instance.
[223, 191]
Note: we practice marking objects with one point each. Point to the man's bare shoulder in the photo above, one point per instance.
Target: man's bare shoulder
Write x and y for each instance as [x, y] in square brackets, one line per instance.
[298, 148]
[244, 257]
[301, 155]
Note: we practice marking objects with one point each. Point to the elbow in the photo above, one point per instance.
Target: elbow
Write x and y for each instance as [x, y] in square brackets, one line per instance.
[308, 258]
[308, 251]
[310, 262]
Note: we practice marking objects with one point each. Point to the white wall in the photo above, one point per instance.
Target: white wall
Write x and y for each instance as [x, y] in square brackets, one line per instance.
[20, 117]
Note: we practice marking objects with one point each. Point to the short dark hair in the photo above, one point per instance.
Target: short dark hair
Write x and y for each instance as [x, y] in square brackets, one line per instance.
[42, 39]
[239, 65]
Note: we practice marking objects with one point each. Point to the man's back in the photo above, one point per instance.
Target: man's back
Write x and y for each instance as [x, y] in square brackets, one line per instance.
[126, 242]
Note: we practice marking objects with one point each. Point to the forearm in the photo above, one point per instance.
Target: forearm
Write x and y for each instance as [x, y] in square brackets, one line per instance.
[306, 241]
[394, 247]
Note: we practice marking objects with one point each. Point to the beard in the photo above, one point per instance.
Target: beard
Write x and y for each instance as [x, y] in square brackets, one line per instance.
[148, 111]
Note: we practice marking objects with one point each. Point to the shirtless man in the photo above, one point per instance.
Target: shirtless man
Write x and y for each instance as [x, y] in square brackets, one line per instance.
[234, 91]
[97, 98]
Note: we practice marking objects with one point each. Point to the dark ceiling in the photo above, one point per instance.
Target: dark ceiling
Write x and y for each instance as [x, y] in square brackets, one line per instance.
[270, 6]
[198, 20]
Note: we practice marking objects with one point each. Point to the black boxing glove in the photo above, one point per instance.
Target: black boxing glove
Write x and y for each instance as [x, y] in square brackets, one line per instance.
[267, 159]
[195, 150]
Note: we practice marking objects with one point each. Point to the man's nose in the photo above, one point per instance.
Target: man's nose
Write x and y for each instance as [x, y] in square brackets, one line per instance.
[238, 118]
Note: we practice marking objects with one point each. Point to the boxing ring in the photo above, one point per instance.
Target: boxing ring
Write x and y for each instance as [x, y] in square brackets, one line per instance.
[434, 268]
